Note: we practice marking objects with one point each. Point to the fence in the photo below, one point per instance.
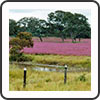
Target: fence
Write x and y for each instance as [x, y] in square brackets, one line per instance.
[58, 68]
[64, 69]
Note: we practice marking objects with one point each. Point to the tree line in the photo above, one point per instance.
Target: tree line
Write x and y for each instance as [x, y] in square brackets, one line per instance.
[59, 24]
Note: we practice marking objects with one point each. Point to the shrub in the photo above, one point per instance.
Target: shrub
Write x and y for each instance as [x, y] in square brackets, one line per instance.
[48, 80]
[24, 58]
[26, 39]
[14, 41]
[14, 51]
[25, 35]
[23, 39]
[82, 78]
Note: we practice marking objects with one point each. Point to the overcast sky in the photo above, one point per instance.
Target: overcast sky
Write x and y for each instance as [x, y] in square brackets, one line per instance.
[17, 14]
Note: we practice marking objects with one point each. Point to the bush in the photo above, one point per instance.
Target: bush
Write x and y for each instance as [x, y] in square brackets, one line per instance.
[25, 35]
[82, 78]
[15, 53]
[26, 39]
[20, 58]
[24, 58]
[15, 49]
[14, 41]
[23, 39]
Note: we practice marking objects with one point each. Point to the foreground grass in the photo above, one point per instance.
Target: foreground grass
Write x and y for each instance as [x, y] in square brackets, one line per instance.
[48, 81]
[73, 61]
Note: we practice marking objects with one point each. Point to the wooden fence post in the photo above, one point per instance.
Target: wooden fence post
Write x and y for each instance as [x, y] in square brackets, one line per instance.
[25, 71]
[65, 74]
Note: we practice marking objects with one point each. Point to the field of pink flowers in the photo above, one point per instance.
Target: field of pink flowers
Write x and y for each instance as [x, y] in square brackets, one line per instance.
[55, 46]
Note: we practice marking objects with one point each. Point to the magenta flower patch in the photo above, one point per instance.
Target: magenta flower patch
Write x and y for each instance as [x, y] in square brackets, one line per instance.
[78, 49]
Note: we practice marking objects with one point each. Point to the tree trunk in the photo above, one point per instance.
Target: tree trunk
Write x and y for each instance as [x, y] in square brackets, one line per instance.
[62, 39]
[75, 39]
[41, 39]
[79, 39]
[72, 38]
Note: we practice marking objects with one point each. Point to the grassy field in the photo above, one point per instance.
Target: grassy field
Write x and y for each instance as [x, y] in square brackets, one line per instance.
[51, 81]
[48, 81]
[53, 52]
[73, 61]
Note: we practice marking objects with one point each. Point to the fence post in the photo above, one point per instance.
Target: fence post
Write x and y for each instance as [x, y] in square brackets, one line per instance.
[24, 83]
[65, 74]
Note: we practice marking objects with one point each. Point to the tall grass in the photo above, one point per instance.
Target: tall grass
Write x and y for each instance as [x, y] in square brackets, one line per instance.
[78, 61]
[48, 81]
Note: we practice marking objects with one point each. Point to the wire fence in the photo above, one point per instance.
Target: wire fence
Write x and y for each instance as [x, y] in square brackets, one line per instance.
[47, 67]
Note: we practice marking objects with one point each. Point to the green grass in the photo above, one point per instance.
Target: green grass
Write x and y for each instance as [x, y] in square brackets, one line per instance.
[48, 81]
[73, 61]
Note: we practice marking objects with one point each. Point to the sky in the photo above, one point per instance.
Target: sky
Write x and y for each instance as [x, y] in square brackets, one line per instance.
[17, 14]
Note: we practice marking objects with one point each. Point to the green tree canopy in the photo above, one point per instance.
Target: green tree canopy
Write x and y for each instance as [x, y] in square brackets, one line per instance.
[56, 21]
[59, 24]
[13, 28]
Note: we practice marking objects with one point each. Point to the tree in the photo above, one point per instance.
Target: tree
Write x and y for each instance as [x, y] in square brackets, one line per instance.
[23, 24]
[41, 29]
[59, 24]
[13, 28]
[34, 25]
[82, 26]
[78, 27]
[56, 21]
[23, 39]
